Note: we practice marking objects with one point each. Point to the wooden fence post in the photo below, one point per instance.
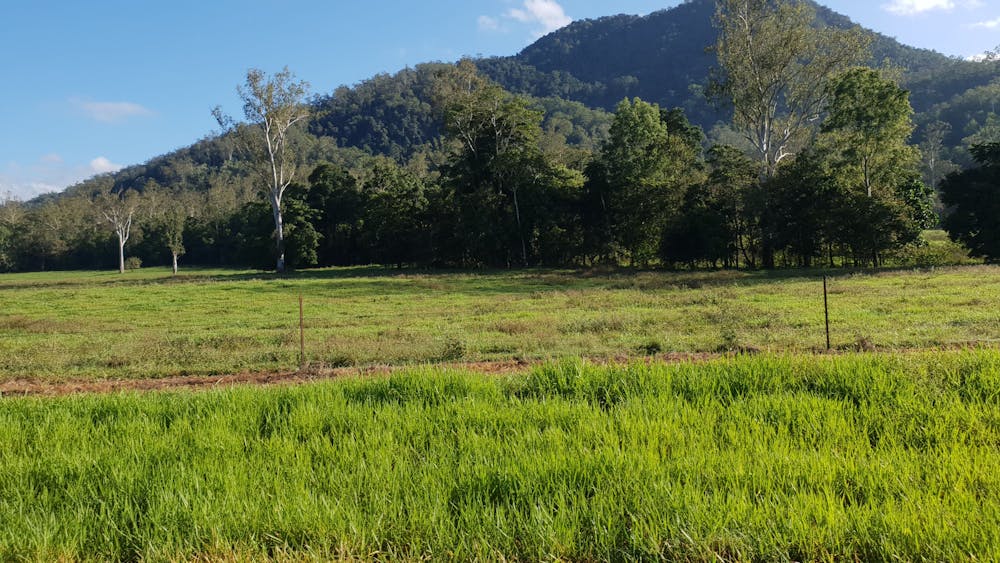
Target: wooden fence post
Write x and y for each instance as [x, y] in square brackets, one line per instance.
[826, 310]
[302, 337]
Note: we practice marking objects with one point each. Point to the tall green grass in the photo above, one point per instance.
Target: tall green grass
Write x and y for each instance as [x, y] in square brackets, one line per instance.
[874, 458]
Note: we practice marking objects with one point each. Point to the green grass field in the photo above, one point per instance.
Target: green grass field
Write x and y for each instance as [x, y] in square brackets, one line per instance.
[782, 456]
[147, 324]
[886, 457]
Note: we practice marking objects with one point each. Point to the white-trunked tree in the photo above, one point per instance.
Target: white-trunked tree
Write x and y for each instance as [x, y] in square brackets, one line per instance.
[775, 65]
[167, 211]
[11, 221]
[118, 209]
[272, 106]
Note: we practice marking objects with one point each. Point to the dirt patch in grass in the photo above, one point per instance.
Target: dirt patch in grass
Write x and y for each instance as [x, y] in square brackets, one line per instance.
[33, 387]
[18, 323]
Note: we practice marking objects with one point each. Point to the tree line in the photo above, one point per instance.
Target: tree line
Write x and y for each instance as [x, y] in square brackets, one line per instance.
[819, 171]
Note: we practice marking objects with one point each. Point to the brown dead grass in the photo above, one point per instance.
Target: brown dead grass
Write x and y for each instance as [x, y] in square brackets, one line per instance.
[33, 387]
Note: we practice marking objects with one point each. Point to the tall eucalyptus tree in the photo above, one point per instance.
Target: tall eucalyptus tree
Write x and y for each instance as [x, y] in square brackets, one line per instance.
[273, 106]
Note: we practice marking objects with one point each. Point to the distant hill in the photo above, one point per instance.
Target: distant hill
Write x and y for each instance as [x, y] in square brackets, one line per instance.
[394, 115]
[576, 75]
[664, 57]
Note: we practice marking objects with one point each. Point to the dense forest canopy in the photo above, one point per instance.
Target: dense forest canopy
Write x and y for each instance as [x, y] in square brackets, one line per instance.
[536, 159]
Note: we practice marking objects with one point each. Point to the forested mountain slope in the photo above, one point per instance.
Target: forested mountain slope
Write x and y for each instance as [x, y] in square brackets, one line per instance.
[579, 73]
[396, 115]
[665, 58]
[387, 115]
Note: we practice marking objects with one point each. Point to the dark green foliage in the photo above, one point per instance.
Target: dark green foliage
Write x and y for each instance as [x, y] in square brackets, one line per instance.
[662, 58]
[987, 154]
[966, 113]
[880, 202]
[526, 79]
[390, 115]
[498, 139]
[189, 168]
[397, 224]
[574, 124]
[302, 238]
[803, 204]
[918, 201]
[812, 214]
[505, 199]
[335, 196]
[714, 225]
[250, 232]
[645, 168]
[853, 197]
[400, 115]
[874, 226]
[973, 197]
[699, 234]
[11, 220]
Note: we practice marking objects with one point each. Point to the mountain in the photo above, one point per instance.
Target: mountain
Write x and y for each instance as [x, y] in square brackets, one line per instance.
[578, 74]
[664, 57]
[395, 115]
[661, 57]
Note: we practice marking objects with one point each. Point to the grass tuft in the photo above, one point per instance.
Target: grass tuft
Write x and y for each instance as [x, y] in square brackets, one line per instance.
[872, 457]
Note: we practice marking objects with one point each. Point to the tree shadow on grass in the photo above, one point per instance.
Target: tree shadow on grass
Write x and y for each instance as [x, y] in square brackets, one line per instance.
[377, 280]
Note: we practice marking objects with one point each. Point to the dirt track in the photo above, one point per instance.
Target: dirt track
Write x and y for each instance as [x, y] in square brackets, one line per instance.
[34, 387]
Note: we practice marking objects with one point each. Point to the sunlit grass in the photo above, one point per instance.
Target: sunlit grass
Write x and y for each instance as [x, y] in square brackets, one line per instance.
[148, 324]
[871, 458]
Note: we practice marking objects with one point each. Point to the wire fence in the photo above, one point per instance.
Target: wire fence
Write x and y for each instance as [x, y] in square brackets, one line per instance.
[216, 327]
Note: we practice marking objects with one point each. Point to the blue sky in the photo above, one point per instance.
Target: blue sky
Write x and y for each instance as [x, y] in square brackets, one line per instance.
[92, 86]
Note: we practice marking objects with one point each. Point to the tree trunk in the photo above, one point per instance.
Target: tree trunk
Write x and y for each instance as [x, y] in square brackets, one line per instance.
[121, 255]
[174, 254]
[767, 250]
[520, 231]
[279, 234]
[767, 255]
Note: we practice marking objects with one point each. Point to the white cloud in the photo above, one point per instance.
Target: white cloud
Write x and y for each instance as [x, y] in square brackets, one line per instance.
[486, 23]
[991, 24]
[546, 13]
[23, 191]
[110, 112]
[49, 174]
[545, 16]
[102, 165]
[982, 57]
[916, 7]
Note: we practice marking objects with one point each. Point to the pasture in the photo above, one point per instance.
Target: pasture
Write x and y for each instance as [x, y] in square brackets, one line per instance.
[147, 324]
[782, 453]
